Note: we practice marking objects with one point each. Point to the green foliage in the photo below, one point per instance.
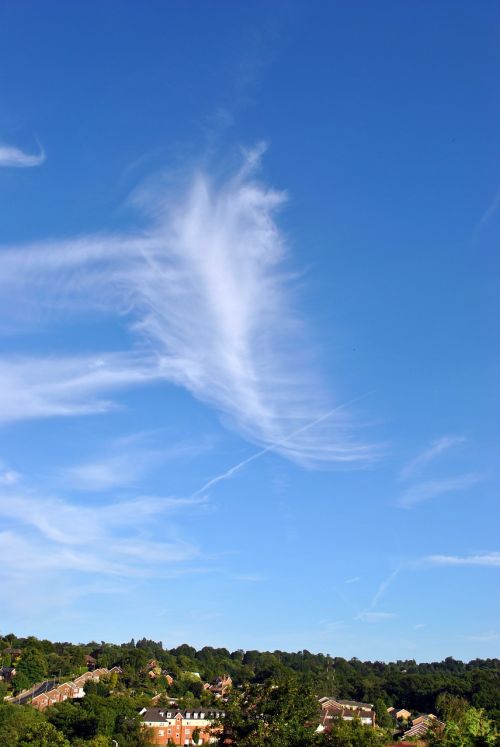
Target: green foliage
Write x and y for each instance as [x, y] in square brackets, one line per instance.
[351, 734]
[383, 719]
[42, 734]
[21, 726]
[451, 707]
[472, 729]
[278, 713]
[32, 668]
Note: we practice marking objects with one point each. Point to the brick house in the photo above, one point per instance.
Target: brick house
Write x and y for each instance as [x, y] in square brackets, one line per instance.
[67, 690]
[221, 686]
[178, 726]
[347, 710]
[399, 713]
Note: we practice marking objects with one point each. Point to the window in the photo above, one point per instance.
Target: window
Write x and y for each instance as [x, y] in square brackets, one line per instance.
[160, 732]
[195, 715]
[169, 715]
[188, 715]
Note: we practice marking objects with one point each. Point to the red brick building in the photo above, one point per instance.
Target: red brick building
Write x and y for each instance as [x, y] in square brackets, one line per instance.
[179, 726]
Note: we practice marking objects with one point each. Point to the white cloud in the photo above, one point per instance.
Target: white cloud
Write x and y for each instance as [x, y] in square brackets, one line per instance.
[52, 534]
[9, 477]
[12, 157]
[426, 491]
[48, 387]
[369, 614]
[383, 587]
[484, 637]
[208, 287]
[352, 580]
[127, 461]
[491, 559]
[375, 617]
[435, 449]
[491, 209]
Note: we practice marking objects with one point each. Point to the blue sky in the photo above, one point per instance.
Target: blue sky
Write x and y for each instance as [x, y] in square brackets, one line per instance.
[249, 301]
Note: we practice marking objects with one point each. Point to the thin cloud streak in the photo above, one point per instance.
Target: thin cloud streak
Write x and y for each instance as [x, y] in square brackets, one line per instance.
[383, 587]
[484, 637]
[435, 450]
[493, 208]
[12, 157]
[426, 491]
[375, 617]
[486, 560]
[273, 447]
[207, 286]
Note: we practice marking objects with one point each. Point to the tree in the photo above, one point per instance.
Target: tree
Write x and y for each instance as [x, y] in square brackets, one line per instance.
[384, 720]
[274, 714]
[451, 707]
[42, 734]
[473, 729]
[32, 667]
[15, 720]
[351, 734]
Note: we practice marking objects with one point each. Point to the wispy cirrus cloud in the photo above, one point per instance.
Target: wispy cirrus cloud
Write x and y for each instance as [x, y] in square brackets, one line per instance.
[208, 287]
[371, 616]
[126, 460]
[484, 637]
[36, 387]
[486, 560]
[12, 157]
[45, 533]
[430, 489]
[490, 211]
[8, 476]
[435, 449]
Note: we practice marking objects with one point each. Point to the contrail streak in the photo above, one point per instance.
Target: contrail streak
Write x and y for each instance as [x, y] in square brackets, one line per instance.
[237, 467]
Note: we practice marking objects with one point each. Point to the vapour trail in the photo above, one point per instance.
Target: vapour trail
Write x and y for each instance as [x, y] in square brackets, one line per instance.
[237, 467]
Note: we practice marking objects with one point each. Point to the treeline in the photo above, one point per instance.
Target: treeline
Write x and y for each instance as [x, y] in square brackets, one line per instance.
[401, 683]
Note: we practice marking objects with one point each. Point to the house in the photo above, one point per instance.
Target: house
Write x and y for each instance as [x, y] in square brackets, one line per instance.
[172, 702]
[220, 686]
[40, 702]
[347, 710]
[178, 726]
[399, 714]
[14, 652]
[69, 690]
[7, 673]
[72, 690]
[90, 662]
[421, 725]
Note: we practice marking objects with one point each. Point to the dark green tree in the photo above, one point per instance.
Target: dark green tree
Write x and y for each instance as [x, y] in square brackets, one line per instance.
[278, 713]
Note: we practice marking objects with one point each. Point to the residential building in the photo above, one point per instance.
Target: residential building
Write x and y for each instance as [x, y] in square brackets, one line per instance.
[399, 713]
[178, 726]
[7, 673]
[421, 725]
[347, 710]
